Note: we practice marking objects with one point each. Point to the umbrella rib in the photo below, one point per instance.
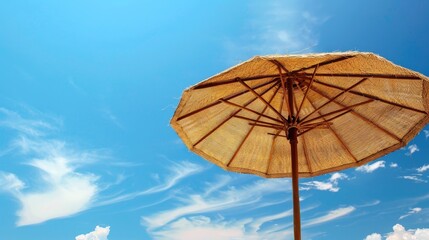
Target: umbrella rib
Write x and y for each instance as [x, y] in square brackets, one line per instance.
[272, 134]
[362, 117]
[366, 75]
[337, 136]
[306, 91]
[267, 126]
[250, 110]
[262, 99]
[339, 110]
[270, 157]
[255, 121]
[371, 97]
[337, 96]
[304, 146]
[233, 80]
[280, 67]
[249, 132]
[227, 98]
[325, 63]
[234, 115]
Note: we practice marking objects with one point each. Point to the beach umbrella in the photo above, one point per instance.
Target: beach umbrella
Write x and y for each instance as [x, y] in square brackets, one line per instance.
[303, 115]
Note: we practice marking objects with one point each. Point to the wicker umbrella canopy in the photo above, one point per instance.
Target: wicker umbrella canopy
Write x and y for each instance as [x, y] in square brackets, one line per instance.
[303, 115]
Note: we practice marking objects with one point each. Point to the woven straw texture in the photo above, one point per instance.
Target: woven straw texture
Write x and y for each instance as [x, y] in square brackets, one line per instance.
[370, 106]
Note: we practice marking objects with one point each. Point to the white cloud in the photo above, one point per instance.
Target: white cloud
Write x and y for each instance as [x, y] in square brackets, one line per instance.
[414, 178]
[203, 227]
[412, 149]
[369, 168]
[423, 168]
[263, 227]
[393, 165]
[56, 189]
[30, 127]
[178, 171]
[330, 185]
[10, 183]
[278, 27]
[109, 115]
[224, 199]
[100, 233]
[334, 214]
[411, 212]
[426, 132]
[374, 236]
[400, 233]
[62, 188]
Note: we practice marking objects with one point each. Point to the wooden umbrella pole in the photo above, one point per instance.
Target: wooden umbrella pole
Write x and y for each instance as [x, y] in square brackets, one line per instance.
[293, 140]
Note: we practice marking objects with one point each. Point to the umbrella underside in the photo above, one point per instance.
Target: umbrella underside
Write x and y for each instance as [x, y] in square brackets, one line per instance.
[348, 108]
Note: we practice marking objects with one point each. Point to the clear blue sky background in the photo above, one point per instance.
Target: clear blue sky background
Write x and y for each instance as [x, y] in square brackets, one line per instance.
[87, 89]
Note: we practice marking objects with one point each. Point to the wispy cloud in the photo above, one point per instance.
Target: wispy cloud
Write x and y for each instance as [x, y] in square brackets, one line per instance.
[369, 168]
[331, 215]
[109, 115]
[65, 190]
[426, 132]
[412, 149]
[30, 127]
[415, 178]
[330, 185]
[393, 165]
[278, 27]
[411, 212]
[57, 182]
[99, 233]
[178, 171]
[399, 232]
[423, 168]
[224, 199]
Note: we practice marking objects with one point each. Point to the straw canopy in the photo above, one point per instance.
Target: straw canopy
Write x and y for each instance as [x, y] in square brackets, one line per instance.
[348, 108]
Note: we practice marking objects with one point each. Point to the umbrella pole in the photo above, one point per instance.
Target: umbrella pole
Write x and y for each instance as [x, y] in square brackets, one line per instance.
[293, 140]
[296, 208]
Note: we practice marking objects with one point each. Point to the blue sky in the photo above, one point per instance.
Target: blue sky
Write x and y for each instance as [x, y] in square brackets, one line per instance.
[87, 90]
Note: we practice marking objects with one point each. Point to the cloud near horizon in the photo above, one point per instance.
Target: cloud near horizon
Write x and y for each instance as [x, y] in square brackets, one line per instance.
[99, 233]
[400, 233]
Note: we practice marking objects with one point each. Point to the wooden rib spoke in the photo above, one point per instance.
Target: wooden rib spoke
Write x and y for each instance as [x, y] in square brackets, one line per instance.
[263, 100]
[234, 115]
[279, 64]
[254, 120]
[270, 157]
[371, 97]
[337, 96]
[338, 111]
[249, 132]
[282, 80]
[327, 62]
[250, 110]
[361, 116]
[227, 98]
[363, 75]
[233, 80]
[345, 147]
[304, 146]
[267, 125]
[306, 92]
[278, 135]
